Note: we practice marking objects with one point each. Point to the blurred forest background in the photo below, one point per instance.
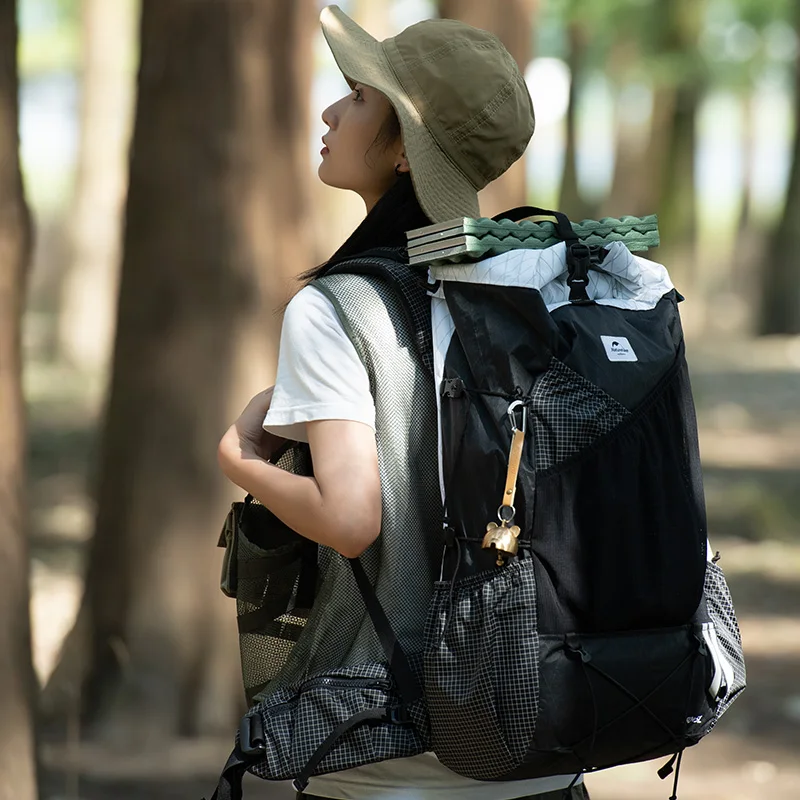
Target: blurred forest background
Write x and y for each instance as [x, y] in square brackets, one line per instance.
[167, 150]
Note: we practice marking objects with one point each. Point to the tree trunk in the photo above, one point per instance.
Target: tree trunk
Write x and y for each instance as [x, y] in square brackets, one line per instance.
[673, 141]
[571, 201]
[742, 268]
[89, 292]
[17, 683]
[677, 206]
[216, 219]
[630, 186]
[514, 27]
[780, 276]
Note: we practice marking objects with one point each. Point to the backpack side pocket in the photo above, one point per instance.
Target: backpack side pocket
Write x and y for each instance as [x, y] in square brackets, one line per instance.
[481, 670]
[726, 634]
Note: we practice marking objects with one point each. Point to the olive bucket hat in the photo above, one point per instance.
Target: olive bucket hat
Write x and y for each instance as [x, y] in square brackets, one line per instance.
[464, 109]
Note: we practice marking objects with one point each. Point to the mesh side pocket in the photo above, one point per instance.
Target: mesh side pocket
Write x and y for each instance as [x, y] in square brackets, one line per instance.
[481, 670]
[268, 623]
[723, 617]
[262, 570]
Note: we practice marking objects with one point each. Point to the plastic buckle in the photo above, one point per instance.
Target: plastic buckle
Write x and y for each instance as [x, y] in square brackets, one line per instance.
[398, 715]
[299, 786]
[452, 387]
[251, 734]
[579, 259]
[449, 536]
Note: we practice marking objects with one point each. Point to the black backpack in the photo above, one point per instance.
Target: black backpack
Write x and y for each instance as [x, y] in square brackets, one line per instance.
[579, 623]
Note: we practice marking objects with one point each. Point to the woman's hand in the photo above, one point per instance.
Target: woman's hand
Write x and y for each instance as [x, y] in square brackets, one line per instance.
[246, 439]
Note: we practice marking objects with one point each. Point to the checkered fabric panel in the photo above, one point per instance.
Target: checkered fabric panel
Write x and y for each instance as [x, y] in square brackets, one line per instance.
[568, 414]
[723, 617]
[297, 723]
[481, 670]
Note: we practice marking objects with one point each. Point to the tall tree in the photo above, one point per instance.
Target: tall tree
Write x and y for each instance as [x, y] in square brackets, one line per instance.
[679, 77]
[571, 201]
[514, 26]
[780, 276]
[17, 683]
[630, 185]
[216, 217]
[89, 294]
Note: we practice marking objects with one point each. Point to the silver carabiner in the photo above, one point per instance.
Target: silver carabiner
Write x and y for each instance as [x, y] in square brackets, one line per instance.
[512, 415]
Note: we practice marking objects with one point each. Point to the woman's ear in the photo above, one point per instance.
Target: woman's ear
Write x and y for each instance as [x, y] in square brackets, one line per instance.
[401, 164]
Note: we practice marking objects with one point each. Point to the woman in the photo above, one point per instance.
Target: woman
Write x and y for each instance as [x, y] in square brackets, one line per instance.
[434, 115]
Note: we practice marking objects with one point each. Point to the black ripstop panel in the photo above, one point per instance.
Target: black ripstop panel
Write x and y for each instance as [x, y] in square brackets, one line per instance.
[617, 698]
[621, 540]
[476, 437]
[610, 500]
[507, 333]
[504, 342]
[654, 336]
[504, 339]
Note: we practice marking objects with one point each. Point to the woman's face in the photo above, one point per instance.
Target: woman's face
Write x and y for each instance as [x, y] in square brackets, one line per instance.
[349, 159]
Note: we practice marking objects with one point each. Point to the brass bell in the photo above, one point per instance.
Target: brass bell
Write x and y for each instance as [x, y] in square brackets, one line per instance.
[504, 539]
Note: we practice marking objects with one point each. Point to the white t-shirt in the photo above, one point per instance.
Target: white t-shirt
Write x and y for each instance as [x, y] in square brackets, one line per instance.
[320, 376]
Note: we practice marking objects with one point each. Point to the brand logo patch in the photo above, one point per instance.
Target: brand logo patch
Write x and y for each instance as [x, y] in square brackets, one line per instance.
[618, 348]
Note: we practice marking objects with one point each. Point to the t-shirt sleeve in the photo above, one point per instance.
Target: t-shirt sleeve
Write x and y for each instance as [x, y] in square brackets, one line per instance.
[320, 375]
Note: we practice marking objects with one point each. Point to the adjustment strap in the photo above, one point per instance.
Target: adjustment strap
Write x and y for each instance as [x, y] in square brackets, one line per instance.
[407, 683]
[309, 572]
[230, 782]
[514, 459]
[563, 225]
[369, 715]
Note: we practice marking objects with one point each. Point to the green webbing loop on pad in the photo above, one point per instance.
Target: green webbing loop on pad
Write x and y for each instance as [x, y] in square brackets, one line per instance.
[466, 239]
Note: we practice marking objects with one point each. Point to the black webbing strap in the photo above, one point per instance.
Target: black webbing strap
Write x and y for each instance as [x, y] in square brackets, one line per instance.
[368, 715]
[579, 255]
[264, 567]
[230, 782]
[268, 620]
[309, 571]
[407, 683]
[564, 227]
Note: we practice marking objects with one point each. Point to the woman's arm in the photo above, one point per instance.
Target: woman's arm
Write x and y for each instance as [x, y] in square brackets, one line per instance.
[339, 507]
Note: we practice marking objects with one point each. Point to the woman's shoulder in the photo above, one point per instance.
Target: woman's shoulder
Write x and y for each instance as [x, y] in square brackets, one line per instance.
[309, 308]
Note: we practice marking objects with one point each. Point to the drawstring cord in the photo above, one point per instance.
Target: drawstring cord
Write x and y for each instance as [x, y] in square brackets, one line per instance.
[568, 791]
[451, 591]
[677, 775]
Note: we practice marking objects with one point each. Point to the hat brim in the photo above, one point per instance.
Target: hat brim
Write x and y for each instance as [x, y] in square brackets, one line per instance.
[443, 191]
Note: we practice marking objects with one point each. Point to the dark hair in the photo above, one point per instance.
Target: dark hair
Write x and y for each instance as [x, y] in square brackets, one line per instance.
[397, 211]
[389, 132]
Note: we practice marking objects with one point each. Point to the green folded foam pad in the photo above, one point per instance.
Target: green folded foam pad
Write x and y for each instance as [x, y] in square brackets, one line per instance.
[467, 239]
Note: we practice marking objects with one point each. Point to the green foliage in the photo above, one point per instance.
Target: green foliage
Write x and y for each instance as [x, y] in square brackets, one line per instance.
[50, 34]
[726, 43]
